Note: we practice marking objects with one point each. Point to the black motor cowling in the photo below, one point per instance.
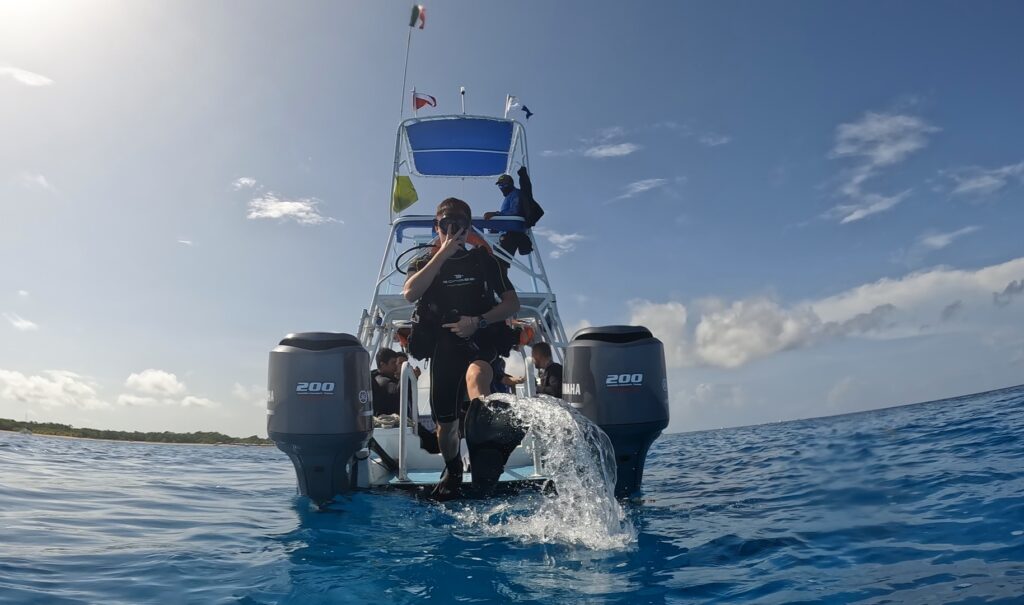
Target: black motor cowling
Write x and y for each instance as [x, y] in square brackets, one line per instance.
[615, 376]
[320, 410]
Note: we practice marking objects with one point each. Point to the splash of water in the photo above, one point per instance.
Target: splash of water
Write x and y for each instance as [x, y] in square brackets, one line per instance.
[579, 459]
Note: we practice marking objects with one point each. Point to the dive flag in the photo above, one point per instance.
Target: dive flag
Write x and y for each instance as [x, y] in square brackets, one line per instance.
[420, 100]
[419, 13]
[514, 103]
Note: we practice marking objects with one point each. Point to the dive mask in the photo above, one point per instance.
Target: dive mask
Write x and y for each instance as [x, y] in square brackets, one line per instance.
[453, 223]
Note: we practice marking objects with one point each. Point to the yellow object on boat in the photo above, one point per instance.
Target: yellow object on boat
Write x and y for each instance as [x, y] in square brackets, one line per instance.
[403, 194]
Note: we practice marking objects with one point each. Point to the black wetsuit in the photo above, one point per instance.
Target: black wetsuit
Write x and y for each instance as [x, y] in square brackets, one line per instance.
[469, 283]
[385, 394]
[551, 380]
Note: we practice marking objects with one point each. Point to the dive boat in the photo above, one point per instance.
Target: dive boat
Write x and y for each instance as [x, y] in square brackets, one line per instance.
[320, 404]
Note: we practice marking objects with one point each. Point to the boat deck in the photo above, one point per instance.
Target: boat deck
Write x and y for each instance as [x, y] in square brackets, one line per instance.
[431, 478]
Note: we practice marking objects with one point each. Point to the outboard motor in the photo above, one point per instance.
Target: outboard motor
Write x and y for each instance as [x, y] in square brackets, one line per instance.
[319, 410]
[615, 376]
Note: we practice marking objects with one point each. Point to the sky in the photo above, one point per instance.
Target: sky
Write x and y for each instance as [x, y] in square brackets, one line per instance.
[816, 206]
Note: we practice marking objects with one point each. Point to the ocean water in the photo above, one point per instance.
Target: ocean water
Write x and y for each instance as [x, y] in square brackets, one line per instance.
[917, 504]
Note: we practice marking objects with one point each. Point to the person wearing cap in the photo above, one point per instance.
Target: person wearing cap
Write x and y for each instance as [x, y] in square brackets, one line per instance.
[511, 241]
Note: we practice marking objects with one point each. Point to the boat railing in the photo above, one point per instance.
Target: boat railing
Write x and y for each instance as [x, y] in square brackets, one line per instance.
[408, 406]
[530, 390]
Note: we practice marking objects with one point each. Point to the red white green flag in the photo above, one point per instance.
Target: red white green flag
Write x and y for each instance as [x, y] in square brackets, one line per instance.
[419, 15]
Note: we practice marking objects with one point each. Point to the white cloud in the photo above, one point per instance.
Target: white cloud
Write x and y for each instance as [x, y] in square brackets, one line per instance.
[199, 402]
[20, 323]
[129, 400]
[611, 150]
[735, 334]
[159, 388]
[865, 205]
[731, 334]
[185, 242]
[706, 393]
[37, 181]
[931, 241]
[576, 327]
[54, 388]
[637, 187]
[937, 241]
[564, 243]
[714, 140]
[882, 139]
[302, 210]
[609, 133]
[244, 182]
[25, 77]
[928, 291]
[976, 181]
[23, 293]
[155, 382]
[667, 321]
[877, 140]
[255, 395]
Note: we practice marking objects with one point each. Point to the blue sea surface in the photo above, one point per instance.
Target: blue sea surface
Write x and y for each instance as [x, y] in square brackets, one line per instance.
[916, 504]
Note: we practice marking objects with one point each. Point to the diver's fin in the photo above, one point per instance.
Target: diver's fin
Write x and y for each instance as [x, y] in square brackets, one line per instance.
[450, 486]
[491, 435]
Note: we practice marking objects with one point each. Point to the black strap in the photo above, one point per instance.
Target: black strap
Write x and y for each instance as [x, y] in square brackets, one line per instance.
[389, 462]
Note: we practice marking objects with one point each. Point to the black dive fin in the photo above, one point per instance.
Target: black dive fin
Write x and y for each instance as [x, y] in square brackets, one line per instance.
[492, 433]
[450, 486]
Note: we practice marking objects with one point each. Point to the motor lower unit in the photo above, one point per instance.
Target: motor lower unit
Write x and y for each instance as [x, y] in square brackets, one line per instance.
[615, 376]
[319, 409]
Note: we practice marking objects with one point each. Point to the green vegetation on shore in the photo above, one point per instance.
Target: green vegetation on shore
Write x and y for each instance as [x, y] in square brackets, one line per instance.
[66, 430]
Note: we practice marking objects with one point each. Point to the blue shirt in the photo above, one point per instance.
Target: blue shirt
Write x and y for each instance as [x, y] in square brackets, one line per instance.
[510, 206]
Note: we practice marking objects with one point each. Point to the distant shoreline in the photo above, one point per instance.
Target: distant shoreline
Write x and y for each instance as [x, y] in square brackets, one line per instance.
[41, 434]
[52, 429]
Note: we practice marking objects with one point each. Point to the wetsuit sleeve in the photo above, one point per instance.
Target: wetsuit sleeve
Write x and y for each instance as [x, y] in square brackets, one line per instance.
[552, 381]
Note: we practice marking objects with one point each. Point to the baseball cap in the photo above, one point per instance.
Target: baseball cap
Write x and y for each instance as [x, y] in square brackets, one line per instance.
[503, 179]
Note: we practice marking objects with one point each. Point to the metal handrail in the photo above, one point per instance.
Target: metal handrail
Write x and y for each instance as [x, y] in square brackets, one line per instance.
[406, 396]
[530, 389]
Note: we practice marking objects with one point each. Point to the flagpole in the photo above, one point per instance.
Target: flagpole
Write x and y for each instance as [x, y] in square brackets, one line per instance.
[462, 95]
[405, 74]
[507, 97]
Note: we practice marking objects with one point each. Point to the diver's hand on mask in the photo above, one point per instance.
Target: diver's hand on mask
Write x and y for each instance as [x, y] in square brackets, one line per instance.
[465, 327]
[450, 243]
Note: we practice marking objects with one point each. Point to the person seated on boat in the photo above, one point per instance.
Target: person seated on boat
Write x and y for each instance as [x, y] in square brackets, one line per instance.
[404, 358]
[502, 381]
[460, 327]
[384, 383]
[549, 373]
[511, 241]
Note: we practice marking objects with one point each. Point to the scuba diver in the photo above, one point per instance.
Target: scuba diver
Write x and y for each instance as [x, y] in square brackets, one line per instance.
[460, 325]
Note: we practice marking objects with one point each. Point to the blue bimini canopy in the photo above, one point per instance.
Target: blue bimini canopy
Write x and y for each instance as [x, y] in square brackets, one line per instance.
[460, 146]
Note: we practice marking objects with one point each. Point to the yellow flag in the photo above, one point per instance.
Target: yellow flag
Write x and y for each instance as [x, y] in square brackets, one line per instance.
[403, 194]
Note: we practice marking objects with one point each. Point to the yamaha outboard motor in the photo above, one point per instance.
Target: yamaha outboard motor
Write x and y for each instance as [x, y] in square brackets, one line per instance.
[319, 409]
[615, 376]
